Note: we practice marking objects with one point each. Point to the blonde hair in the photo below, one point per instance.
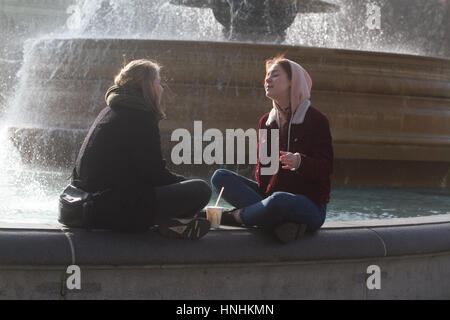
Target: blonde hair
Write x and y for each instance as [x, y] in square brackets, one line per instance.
[140, 74]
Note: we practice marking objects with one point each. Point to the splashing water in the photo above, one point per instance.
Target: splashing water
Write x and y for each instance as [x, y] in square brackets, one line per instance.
[407, 26]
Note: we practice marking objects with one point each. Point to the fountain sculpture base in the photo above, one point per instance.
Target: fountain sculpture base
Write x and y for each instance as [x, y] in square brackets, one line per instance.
[389, 113]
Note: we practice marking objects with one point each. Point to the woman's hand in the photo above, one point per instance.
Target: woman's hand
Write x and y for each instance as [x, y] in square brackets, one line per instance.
[290, 160]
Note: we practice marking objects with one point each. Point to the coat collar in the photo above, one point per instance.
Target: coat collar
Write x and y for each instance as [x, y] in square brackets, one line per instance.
[298, 118]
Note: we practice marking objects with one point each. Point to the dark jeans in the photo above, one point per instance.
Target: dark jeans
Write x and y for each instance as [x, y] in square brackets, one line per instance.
[259, 209]
[182, 199]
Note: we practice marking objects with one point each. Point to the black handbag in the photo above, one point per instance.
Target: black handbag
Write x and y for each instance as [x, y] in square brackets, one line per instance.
[76, 207]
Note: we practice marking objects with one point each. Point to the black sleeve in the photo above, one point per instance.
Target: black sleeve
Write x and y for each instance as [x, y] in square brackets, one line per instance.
[145, 148]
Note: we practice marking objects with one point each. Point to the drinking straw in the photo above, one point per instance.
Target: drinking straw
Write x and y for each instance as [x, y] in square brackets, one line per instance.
[220, 194]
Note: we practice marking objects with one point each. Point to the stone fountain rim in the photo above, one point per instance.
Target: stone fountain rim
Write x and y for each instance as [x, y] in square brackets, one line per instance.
[51, 245]
[247, 44]
[350, 224]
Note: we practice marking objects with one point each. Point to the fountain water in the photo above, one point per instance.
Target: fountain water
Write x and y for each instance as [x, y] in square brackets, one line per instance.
[380, 105]
[262, 20]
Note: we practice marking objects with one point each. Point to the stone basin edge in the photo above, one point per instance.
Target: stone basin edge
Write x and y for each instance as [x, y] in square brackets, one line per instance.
[52, 244]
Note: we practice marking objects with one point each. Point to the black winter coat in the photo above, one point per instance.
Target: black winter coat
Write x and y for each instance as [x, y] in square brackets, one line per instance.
[122, 153]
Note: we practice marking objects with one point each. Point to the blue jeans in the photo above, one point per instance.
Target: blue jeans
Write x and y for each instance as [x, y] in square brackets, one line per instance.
[259, 210]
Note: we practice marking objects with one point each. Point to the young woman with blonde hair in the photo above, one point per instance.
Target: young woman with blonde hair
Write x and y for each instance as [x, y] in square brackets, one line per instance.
[122, 155]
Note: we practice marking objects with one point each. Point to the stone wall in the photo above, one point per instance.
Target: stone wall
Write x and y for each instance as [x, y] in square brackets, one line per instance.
[412, 256]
